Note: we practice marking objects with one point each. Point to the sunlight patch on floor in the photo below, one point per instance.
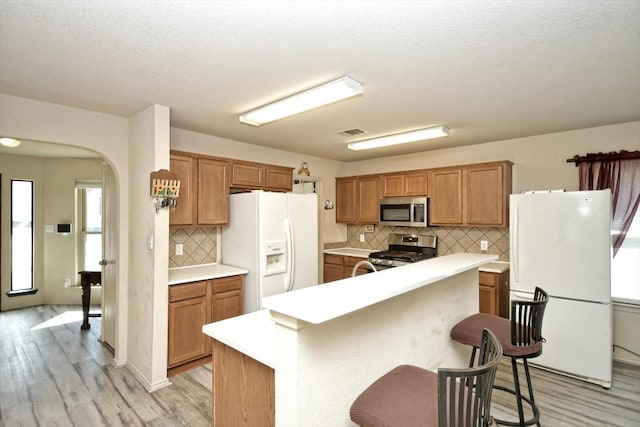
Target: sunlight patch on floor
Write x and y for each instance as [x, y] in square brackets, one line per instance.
[60, 319]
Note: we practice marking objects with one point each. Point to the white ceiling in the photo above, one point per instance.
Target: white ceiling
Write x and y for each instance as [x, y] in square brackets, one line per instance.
[489, 70]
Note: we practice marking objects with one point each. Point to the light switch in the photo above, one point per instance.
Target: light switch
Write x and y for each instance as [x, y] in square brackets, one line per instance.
[179, 248]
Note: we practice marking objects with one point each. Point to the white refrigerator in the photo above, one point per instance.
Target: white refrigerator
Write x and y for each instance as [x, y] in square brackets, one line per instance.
[275, 237]
[561, 242]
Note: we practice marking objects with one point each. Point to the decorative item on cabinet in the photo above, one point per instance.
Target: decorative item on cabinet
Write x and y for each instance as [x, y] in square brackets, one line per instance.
[304, 169]
[165, 187]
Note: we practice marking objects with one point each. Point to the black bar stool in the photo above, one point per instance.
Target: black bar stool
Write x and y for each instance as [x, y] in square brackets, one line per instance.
[410, 396]
[521, 338]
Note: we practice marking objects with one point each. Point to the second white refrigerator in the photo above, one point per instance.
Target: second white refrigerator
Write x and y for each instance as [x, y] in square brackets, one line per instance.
[561, 242]
[275, 237]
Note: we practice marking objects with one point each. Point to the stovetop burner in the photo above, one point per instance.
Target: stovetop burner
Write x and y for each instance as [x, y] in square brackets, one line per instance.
[405, 249]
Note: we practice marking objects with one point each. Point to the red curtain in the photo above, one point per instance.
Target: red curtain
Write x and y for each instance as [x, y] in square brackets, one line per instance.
[622, 176]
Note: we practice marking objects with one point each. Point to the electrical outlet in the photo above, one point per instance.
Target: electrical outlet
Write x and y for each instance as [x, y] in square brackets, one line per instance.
[67, 282]
[368, 228]
[362, 238]
[179, 248]
[484, 245]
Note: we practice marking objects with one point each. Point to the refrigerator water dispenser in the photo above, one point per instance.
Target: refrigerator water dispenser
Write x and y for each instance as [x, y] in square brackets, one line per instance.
[276, 257]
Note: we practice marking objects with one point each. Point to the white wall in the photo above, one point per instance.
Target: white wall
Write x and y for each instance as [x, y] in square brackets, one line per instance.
[148, 250]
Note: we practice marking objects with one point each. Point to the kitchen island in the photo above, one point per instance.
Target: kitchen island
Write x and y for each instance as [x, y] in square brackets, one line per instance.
[311, 352]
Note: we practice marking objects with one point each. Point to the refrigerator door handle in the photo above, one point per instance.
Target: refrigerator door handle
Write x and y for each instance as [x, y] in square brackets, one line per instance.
[514, 245]
[288, 232]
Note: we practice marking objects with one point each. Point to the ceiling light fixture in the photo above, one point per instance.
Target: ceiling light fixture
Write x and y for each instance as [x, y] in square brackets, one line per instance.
[399, 138]
[328, 93]
[9, 142]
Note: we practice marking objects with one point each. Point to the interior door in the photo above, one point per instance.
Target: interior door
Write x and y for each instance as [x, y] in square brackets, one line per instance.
[109, 256]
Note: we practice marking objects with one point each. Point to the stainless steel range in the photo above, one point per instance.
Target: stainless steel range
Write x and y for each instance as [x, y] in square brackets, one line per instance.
[405, 249]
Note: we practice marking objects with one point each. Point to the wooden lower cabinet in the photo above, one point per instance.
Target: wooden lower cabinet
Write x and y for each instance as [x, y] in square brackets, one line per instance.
[186, 340]
[244, 392]
[338, 267]
[494, 293]
[193, 305]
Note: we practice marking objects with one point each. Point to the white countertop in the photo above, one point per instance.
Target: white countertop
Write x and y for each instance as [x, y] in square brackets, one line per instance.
[194, 273]
[318, 304]
[256, 331]
[355, 252]
[495, 267]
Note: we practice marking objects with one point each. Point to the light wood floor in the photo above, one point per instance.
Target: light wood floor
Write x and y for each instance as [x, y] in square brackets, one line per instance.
[54, 374]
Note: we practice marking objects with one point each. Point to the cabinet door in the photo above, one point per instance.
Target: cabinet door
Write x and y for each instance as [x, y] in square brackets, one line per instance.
[392, 185]
[247, 175]
[226, 304]
[213, 192]
[186, 340]
[415, 184]
[445, 192]
[333, 272]
[227, 297]
[368, 199]
[278, 178]
[487, 300]
[346, 192]
[485, 197]
[185, 168]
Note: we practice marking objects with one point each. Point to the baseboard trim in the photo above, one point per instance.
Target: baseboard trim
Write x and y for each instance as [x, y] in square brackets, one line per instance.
[145, 383]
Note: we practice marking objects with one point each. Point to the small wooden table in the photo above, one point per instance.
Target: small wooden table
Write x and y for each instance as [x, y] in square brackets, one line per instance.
[87, 279]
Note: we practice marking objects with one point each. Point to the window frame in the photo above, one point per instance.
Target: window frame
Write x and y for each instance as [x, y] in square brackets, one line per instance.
[31, 289]
[81, 220]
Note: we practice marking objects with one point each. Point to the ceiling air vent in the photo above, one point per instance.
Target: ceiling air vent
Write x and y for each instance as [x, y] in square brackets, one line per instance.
[351, 132]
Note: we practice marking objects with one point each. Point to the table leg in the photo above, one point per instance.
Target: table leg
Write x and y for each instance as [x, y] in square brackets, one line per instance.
[86, 301]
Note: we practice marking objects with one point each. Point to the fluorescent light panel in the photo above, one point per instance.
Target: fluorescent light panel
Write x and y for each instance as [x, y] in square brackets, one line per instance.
[400, 138]
[328, 93]
[9, 142]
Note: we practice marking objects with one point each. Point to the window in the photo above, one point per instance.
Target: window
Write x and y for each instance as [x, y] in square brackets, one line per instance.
[625, 267]
[21, 236]
[89, 195]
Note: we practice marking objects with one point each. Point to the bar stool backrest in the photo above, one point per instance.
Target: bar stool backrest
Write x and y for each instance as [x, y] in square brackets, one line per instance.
[526, 319]
[464, 395]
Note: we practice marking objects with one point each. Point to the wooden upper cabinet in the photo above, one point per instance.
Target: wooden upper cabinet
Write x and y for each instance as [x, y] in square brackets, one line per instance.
[368, 199]
[392, 185]
[346, 199]
[258, 176]
[185, 167]
[213, 192]
[357, 199]
[404, 184]
[247, 175]
[445, 193]
[278, 178]
[415, 183]
[473, 195]
[486, 194]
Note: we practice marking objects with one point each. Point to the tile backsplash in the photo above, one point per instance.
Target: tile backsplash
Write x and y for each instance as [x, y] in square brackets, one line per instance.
[450, 239]
[200, 245]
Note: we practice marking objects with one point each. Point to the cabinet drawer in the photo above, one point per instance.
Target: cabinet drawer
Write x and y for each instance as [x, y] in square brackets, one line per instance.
[351, 261]
[488, 279]
[333, 259]
[186, 291]
[227, 284]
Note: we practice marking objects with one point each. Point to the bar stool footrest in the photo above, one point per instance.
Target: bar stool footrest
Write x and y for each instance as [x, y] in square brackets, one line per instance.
[534, 408]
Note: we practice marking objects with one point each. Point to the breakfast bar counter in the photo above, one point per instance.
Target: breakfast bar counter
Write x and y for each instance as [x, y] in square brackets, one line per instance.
[327, 343]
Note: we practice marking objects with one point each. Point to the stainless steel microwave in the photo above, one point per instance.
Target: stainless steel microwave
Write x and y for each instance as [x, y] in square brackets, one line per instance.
[405, 212]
